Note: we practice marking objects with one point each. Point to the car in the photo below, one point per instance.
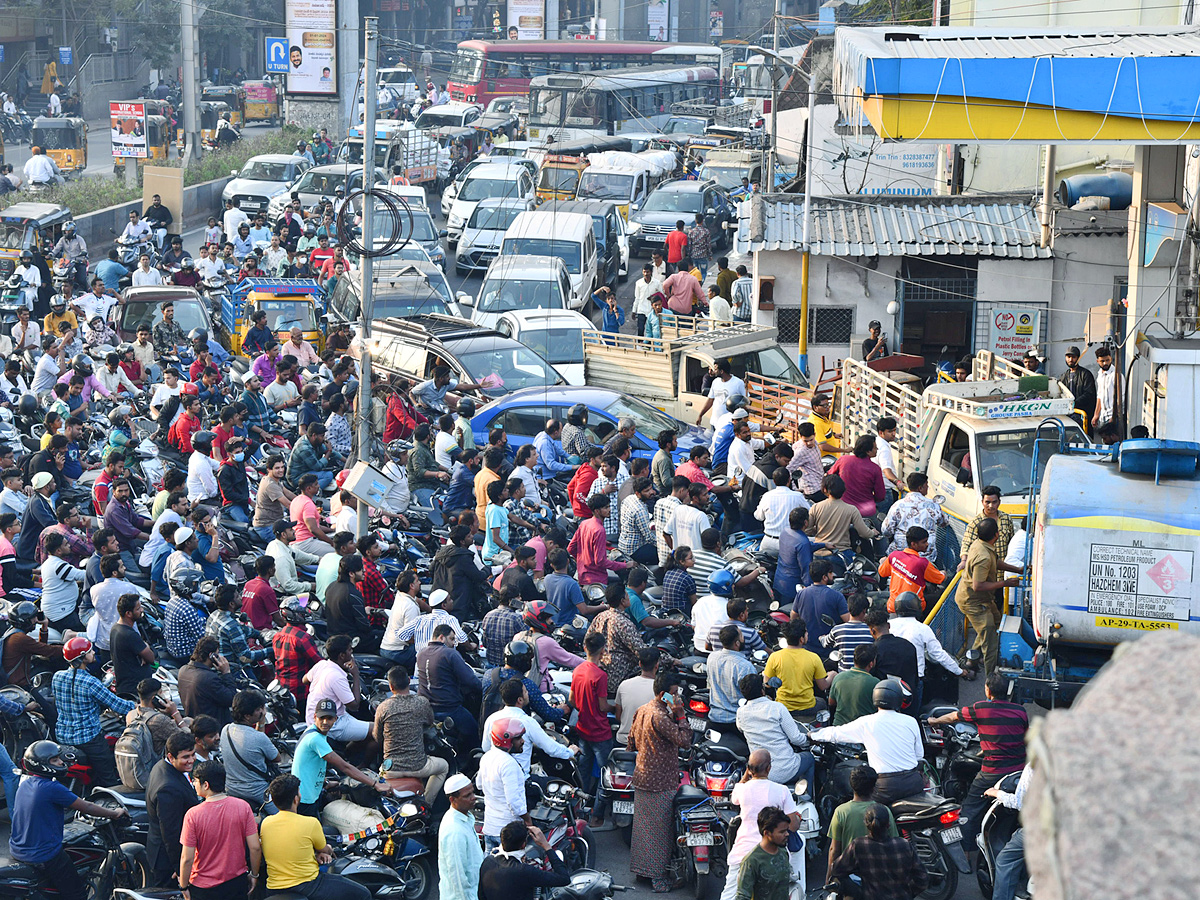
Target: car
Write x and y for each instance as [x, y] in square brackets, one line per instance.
[569, 236]
[263, 178]
[612, 240]
[322, 181]
[401, 80]
[448, 115]
[675, 200]
[417, 227]
[451, 191]
[521, 282]
[412, 194]
[532, 150]
[143, 306]
[503, 116]
[480, 241]
[494, 180]
[523, 414]
[402, 288]
[554, 334]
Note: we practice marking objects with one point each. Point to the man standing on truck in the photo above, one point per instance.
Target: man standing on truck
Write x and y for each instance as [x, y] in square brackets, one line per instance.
[724, 386]
[875, 346]
[828, 441]
[1080, 381]
[976, 595]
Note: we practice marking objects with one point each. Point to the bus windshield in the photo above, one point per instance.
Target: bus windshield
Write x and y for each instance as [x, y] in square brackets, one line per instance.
[468, 66]
[605, 186]
[546, 106]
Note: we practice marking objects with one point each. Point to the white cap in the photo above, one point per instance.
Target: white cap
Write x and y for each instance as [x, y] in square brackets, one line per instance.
[438, 597]
[739, 414]
[41, 479]
[182, 534]
[456, 783]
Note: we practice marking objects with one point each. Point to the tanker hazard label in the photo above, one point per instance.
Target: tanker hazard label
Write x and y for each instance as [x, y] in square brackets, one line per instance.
[1140, 583]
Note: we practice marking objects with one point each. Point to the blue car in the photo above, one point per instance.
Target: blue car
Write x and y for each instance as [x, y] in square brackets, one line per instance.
[522, 414]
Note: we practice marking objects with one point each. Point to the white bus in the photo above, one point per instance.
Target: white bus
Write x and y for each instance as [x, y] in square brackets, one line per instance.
[576, 107]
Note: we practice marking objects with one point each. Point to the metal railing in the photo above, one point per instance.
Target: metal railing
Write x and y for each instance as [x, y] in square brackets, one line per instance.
[107, 68]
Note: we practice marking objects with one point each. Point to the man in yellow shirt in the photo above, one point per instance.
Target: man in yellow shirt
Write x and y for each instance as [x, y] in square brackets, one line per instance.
[828, 438]
[801, 672]
[294, 845]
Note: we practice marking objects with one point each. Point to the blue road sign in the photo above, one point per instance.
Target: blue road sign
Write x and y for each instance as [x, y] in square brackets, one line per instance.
[277, 55]
[64, 56]
[1, 53]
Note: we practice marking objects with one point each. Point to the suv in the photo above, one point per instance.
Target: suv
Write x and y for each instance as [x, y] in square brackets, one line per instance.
[263, 178]
[402, 288]
[676, 200]
[322, 181]
[416, 345]
[448, 115]
[488, 182]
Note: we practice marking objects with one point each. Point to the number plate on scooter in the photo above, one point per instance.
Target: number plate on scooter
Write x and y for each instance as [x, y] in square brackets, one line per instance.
[622, 807]
[700, 839]
[951, 835]
[697, 724]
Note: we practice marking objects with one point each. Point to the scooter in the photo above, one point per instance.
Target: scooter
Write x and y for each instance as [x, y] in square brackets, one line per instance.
[101, 858]
[996, 829]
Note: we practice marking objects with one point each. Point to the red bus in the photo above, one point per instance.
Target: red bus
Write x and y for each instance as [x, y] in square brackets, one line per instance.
[483, 70]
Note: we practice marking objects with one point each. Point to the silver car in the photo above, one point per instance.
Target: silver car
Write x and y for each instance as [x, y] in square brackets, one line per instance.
[481, 237]
[263, 178]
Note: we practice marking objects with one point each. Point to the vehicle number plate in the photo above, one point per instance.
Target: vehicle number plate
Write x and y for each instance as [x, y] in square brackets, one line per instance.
[951, 835]
[623, 807]
[700, 839]
[697, 724]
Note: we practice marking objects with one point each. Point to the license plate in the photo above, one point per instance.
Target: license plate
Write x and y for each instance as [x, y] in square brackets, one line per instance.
[951, 835]
[623, 807]
[700, 839]
[697, 724]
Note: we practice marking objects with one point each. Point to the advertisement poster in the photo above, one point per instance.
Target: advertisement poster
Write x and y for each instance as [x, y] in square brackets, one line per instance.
[716, 23]
[128, 130]
[656, 19]
[526, 20]
[1012, 331]
[312, 46]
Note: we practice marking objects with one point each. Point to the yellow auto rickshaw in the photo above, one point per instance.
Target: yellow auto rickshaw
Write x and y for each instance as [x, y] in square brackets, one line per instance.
[262, 102]
[65, 141]
[154, 107]
[232, 94]
[288, 302]
[210, 114]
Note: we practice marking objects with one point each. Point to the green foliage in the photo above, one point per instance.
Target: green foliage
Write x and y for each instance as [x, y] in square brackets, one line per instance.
[227, 26]
[917, 13]
[155, 36]
[219, 163]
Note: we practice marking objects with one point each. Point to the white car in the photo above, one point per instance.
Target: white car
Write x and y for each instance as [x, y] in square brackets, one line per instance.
[451, 190]
[448, 115]
[262, 179]
[480, 241]
[518, 282]
[499, 180]
[556, 335]
[400, 80]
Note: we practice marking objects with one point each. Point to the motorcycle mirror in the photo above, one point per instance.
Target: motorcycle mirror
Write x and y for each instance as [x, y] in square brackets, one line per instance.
[823, 717]
[835, 656]
[802, 786]
[713, 735]
[774, 605]
[827, 620]
[760, 655]
[579, 622]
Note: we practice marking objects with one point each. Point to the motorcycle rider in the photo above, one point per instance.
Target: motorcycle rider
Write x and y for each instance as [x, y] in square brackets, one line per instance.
[226, 133]
[505, 875]
[234, 637]
[892, 739]
[908, 625]
[41, 169]
[766, 724]
[98, 302]
[31, 279]
[136, 231]
[312, 754]
[37, 819]
[173, 257]
[159, 219]
[502, 780]
[26, 334]
[74, 248]
[80, 698]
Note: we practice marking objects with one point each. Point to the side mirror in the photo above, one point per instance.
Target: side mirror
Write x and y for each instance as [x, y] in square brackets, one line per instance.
[465, 299]
[710, 212]
[827, 620]
[443, 233]
[233, 172]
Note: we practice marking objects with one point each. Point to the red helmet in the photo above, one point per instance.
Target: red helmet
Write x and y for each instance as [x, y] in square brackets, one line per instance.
[537, 616]
[505, 731]
[187, 389]
[75, 648]
[340, 478]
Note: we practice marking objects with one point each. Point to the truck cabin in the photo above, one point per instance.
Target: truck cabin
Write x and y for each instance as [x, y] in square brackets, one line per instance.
[750, 351]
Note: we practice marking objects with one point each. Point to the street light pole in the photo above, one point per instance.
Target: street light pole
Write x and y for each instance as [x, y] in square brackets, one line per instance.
[772, 156]
[367, 264]
[191, 131]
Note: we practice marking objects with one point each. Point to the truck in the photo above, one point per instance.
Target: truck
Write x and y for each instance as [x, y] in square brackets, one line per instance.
[728, 167]
[964, 436]
[625, 178]
[415, 151]
[669, 373]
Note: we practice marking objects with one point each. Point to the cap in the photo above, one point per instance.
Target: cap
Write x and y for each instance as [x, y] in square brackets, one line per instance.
[739, 414]
[325, 707]
[1072, 351]
[438, 597]
[456, 783]
[41, 479]
[182, 534]
[282, 525]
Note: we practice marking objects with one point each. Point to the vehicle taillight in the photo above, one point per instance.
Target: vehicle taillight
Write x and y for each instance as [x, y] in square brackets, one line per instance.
[716, 784]
[617, 781]
[949, 818]
[699, 707]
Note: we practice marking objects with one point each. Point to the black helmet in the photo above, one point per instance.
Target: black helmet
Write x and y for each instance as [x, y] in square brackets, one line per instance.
[38, 756]
[300, 145]
[28, 405]
[198, 334]
[908, 604]
[117, 414]
[186, 584]
[23, 616]
[577, 414]
[82, 364]
[518, 655]
[26, 257]
[292, 610]
[203, 441]
[735, 402]
[889, 694]
[466, 407]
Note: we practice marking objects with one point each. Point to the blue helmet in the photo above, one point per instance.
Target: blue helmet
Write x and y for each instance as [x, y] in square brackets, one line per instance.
[721, 582]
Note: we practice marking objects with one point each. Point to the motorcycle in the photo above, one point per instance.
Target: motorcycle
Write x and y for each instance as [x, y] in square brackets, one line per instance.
[587, 884]
[387, 865]
[131, 251]
[616, 789]
[996, 829]
[562, 816]
[954, 753]
[101, 858]
[930, 824]
[699, 832]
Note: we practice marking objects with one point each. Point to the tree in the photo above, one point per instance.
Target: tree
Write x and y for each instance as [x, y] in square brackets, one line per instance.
[153, 32]
[230, 26]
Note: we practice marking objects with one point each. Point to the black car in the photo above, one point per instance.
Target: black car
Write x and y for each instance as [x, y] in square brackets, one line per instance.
[681, 200]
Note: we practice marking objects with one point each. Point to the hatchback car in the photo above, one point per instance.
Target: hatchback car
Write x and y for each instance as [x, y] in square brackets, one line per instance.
[556, 335]
[481, 236]
[143, 306]
[681, 200]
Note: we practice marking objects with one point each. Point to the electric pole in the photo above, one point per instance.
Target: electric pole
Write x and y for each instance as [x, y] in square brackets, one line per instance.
[367, 264]
[191, 131]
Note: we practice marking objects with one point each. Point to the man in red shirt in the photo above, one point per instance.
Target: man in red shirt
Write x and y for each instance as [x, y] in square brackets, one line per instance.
[589, 695]
[114, 470]
[258, 597]
[132, 367]
[231, 419]
[295, 652]
[581, 482]
[676, 242]
[180, 434]
[374, 586]
[216, 835]
[589, 546]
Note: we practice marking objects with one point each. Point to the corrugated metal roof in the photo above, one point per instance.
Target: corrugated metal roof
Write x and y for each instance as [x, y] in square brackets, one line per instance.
[859, 226]
[1024, 43]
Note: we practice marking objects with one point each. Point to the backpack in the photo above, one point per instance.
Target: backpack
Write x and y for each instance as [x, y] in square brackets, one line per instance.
[6, 671]
[491, 702]
[134, 752]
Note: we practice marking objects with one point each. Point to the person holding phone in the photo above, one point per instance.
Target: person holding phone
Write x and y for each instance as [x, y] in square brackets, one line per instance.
[875, 346]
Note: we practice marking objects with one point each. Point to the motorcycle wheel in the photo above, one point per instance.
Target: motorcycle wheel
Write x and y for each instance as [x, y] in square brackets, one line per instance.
[700, 886]
[418, 879]
[943, 885]
[133, 873]
[984, 877]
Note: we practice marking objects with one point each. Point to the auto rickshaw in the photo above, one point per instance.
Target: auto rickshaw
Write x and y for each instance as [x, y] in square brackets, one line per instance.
[288, 302]
[262, 102]
[158, 144]
[35, 227]
[154, 107]
[232, 94]
[210, 114]
[64, 140]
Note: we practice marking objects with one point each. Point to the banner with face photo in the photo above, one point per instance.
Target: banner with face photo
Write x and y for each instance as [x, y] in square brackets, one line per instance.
[526, 20]
[312, 46]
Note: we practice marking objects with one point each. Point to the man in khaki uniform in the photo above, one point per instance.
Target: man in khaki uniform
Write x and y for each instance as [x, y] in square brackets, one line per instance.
[976, 595]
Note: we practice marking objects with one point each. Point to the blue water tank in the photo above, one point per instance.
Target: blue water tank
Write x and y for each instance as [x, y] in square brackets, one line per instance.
[1162, 459]
[1116, 186]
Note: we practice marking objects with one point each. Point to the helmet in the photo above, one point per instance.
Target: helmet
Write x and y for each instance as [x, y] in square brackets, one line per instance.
[292, 611]
[890, 694]
[69, 228]
[187, 584]
[122, 349]
[340, 189]
[310, 227]
[577, 414]
[466, 407]
[58, 301]
[75, 648]
[395, 448]
[82, 364]
[187, 262]
[300, 145]
[325, 199]
[118, 414]
[203, 441]
[518, 655]
[908, 604]
[536, 616]
[187, 389]
[26, 257]
[28, 405]
[225, 116]
[23, 616]
[38, 755]
[316, 136]
[736, 401]
[720, 583]
[198, 334]
[505, 731]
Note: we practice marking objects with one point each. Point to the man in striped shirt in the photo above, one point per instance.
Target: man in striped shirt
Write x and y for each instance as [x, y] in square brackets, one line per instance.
[846, 636]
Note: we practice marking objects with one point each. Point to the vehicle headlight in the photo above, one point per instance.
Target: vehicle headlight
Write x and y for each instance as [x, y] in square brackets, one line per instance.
[455, 221]
[438, 252]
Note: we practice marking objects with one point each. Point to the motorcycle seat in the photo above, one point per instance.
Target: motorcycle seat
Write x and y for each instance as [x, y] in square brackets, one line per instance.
[17, 872]
[622, 756]
[919, 805]
[135, 798]
[688, 795]
[408, 786]
[373, 661]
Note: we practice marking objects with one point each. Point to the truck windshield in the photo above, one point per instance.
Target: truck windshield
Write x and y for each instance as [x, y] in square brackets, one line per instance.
[605, 186]
[352, 151]
[514, 364]
[1006, 458]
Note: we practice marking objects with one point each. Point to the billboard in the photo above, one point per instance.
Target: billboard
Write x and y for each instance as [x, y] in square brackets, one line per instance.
[312, 46]
[128, 130]
[656, 19]
[526, 20]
